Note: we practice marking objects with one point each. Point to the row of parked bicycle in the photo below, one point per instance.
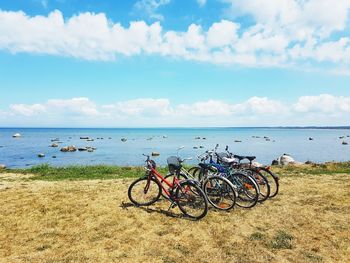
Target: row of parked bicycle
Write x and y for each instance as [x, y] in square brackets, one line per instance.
[220, 179]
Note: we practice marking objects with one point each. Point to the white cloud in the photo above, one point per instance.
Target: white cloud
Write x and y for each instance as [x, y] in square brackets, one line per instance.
[143, 106]
[223, 33]
[285, 34]
[324, 109]
[27, 110]
[150, 8]
[323, 103]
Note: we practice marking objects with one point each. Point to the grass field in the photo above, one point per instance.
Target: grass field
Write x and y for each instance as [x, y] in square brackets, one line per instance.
[82, 214]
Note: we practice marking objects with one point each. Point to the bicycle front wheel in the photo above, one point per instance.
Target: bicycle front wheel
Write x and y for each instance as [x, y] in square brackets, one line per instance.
[220, 192]
[144, 191]
[191, 200]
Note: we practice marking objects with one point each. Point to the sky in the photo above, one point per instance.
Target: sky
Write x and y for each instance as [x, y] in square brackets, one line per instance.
[174, 63]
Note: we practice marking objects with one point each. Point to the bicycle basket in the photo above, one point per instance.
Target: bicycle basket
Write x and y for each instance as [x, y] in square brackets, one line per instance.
[173, 163]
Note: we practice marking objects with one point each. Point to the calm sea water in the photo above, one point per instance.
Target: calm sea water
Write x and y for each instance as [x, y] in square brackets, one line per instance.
[22, 152]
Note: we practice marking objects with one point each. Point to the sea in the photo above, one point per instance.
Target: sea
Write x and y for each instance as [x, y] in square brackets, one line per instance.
[126, 146]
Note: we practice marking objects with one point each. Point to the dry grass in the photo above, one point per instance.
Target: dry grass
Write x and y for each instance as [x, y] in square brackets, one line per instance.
[93, 221]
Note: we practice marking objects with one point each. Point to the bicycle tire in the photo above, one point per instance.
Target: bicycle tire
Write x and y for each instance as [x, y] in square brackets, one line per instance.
[220, 192]
[263, 184]
[246, 188]
[188, 194]
[272, 179]
[140, 185]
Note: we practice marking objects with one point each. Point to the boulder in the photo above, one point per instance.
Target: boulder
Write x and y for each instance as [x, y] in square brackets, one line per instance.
[82, 149]
[286, 159]
[17, 135]
[70, 148]
[41, 155]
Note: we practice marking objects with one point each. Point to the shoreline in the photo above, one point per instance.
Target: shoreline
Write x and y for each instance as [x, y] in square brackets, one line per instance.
[84, 172]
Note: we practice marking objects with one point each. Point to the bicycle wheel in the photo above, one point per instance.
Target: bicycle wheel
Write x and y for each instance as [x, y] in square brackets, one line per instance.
[247, 190]
[144, 191]
[263, 184]
[170, 178]
[220, 192]
[191, 200]
[273, 181]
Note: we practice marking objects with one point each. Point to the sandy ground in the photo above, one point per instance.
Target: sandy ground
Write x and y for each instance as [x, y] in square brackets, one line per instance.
[93, 221]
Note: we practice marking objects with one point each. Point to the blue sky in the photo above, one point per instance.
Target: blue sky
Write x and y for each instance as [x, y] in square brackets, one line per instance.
[174, 63]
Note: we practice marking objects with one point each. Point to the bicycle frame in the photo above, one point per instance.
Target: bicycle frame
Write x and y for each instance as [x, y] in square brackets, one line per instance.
[158, 176]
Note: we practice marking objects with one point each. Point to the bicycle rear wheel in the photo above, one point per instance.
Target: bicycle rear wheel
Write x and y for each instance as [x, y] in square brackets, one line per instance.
[247, 190]
[191, 200]
[220, 192]
[144, 191]
[263, 184]
[273, 181]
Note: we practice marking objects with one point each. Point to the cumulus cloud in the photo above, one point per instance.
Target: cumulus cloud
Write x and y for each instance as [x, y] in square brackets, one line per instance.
[324, 109]
[27, 109]
[323, 103]
[286, 33]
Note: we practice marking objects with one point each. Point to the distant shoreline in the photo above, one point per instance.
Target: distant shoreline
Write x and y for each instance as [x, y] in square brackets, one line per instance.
[179, 128]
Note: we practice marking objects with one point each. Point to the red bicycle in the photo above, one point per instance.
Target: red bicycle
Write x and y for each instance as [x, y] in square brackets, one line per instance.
[185, 194]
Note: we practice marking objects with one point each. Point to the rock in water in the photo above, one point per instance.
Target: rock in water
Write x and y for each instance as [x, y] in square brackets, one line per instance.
[123, 139]
[311, 139]
[344, 143]
[155, 154]
[70, 148]
[17, 135]
[41, 155]
[54, 145]
[82, 149]
[84, 137]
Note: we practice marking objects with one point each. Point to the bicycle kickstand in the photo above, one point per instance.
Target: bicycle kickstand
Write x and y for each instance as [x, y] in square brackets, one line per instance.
[172, 205]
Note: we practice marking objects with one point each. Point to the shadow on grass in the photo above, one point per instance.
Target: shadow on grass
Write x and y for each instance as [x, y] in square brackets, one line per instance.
[150, 210]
